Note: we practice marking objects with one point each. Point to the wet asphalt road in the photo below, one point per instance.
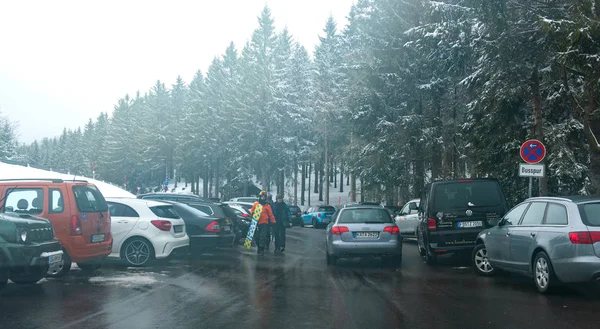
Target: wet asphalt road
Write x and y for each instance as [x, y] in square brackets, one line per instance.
[237, 289]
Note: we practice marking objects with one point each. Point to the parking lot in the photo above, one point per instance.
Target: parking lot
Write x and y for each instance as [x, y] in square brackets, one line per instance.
[238, 289]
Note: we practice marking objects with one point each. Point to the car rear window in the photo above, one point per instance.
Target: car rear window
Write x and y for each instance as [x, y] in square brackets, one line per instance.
[165, 212]
[590, 214]
[464, 194]
[294, 209]
[350, 216]
[326, 209]
[89, 199]
[228, 211]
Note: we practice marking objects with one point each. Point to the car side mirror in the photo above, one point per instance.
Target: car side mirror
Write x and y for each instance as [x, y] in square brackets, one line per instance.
[501, 222]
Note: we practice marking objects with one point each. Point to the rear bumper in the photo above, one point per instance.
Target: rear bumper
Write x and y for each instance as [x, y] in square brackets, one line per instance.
[578, 269]
[296, 221]
[165, 246]
[211, 241]
[352, 249]
[453, 240]
[80, 250]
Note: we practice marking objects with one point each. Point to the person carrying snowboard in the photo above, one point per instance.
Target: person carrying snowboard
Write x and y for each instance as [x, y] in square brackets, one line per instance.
[265, 220]
[282, 215]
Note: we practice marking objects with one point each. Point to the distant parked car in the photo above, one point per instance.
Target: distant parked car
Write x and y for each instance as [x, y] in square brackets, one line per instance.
[550, 239]
[244, 199]
[363, 231]
[245, 205]
[296, 216]
[205, 231]
[318, 216]
[243, 219]
[144, 230]
[177, 197]
[407, 219]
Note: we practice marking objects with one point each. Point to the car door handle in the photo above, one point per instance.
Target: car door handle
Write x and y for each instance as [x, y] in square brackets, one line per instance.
[123, 222]
[532, 234]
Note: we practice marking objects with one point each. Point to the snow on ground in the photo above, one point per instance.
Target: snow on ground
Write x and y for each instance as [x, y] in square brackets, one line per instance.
[126, 281]
[8, 171]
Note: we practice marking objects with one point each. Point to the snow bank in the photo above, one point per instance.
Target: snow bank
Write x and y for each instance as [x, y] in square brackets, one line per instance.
[125, 281]
[8, 171]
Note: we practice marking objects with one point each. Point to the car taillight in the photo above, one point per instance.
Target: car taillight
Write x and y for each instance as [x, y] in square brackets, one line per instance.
[299, 213]
[75, 225]
[431, 224]
[319, 215]
[584, 237]
[392, 230]
[213, 227]
[245, 215]
[338, 230]
[163, 225]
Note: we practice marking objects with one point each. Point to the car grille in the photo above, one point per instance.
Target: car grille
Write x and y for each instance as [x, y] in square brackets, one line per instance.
[41, 234]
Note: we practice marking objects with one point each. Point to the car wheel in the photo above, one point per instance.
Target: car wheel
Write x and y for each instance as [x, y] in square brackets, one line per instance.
[89, 267]
[34, 275]
[481, 264]
[62, 268]
[314, 223]
[543, 273]
[138, 252]
[3, 273]
[331, 260]
[429, 257]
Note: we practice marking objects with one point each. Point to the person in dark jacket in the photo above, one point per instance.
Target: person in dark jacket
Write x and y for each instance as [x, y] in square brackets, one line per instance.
[282, 216]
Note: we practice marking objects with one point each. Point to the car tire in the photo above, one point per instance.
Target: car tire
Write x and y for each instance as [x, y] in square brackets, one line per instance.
[63, 269]
[543, 273]
[89, 267]
[137, 252]
[430, 258]
[3, 273]
[314, 223]
[331, 260]
[301, 222]
[480, 261]
[35, 274]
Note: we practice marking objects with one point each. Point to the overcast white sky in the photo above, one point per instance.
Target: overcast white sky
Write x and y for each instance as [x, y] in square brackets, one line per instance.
[62, 62]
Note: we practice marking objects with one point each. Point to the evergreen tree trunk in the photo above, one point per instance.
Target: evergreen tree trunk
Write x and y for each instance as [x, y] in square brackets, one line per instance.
[295, 180]
[321, 176]
[352, 186]
[205, 182]
[192, 183]
[362, 189]
[334, 174]
[347, 179]
[217, 178]
[309, 181]
[538, 124]
[328, 166]
[342, 175]
[591, 129]
[317, 166]
[303, 184]
[210, 181]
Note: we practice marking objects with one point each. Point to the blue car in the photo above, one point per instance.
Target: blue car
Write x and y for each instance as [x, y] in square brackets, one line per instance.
[318, 216]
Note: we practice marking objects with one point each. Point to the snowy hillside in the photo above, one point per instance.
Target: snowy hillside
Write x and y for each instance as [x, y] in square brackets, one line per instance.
[8, 171]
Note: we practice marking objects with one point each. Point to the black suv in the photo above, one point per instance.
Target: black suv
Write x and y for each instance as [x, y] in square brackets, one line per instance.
[452, 213]
[27, 248]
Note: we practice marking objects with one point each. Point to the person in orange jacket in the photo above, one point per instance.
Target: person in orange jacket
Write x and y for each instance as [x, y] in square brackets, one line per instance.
[265, 221]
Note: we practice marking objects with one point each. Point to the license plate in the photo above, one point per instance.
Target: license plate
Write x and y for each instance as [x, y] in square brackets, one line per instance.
[55, 259]
[366, 235]
[97, 238]
[178, 228]
[477, 223]
[226, 228]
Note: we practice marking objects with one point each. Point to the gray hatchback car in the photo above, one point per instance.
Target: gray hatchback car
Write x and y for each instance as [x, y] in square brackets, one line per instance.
[363, 231]
[549, 238]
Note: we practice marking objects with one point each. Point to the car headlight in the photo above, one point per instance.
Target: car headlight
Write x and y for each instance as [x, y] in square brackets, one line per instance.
[22, 235]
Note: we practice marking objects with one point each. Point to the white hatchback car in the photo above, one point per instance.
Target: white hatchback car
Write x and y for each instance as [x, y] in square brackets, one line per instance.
[144, 230]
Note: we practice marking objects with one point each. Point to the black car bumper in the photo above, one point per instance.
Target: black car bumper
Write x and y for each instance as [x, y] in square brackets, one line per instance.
[32, 255]
[453, 241]
[211, 241]
[296, 220]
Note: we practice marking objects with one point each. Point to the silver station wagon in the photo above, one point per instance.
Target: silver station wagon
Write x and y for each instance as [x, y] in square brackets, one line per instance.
[551, 239]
